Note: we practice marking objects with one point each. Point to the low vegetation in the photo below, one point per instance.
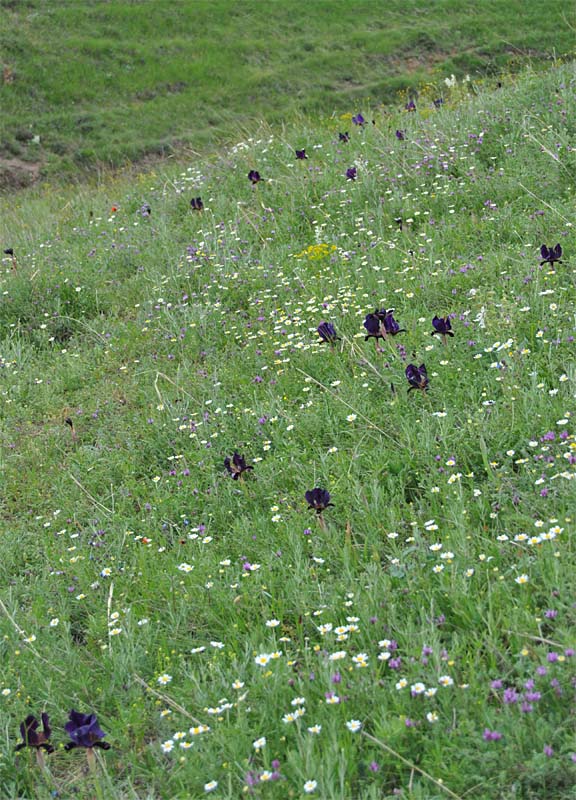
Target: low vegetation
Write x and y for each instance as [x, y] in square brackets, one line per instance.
[268, 528]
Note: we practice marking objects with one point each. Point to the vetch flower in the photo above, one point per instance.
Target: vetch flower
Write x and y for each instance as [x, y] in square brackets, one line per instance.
[254, 177]
[551, 255]
[32, 737]
[443, 327]
[327, 333]
[417, 377]
[491, 736]
[236, 466]
[84, 731]
[318, 499]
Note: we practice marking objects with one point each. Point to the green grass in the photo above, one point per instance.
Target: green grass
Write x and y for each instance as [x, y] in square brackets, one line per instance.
[171, 341]
[103, 83]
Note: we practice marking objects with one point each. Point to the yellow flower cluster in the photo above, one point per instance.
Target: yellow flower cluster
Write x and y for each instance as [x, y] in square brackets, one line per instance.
[315, 252]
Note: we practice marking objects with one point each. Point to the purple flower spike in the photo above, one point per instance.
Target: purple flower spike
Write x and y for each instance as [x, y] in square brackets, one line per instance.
[327, 333]
[254, 177]
[84, 731]
[236, 466]
[196, 204]
[551, 255]
[301, 155]
[318, 500]
[32, 737]
[358, 120]
[417, 377]
[351, 173]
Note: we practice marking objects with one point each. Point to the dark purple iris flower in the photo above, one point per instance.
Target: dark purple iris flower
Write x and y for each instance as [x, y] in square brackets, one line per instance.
[196, 204]
[301, 155]
[358, 120]
[381, 324]
[254, 176]
[318, 499]
[327, 333]
[438, 102]
[32, 737]
[391, 326]
[351, 173]
[443, 327]
[551, 255]
[9, 251]
[344, 137]
[236, 466]
[417, 377]
[84, 731]
[410, 106]
[400, 135]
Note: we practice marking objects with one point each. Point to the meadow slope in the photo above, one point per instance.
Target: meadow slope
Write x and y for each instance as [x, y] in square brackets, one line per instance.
[413, 639]
[89, 84]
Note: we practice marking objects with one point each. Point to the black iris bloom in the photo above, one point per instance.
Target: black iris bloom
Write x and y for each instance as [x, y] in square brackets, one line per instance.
[327, 333]
[196, 204]
[301, 154]
[551, 255]
[417, 377]
[236, 466]
[32, 737]
[344, 137]
[381, 324]
[318, 500]
[84, 731]
[254, 176]
[442, 326]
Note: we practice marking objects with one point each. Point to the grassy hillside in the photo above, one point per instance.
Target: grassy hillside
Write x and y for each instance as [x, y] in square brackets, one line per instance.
[92, 83]
[414, 639]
